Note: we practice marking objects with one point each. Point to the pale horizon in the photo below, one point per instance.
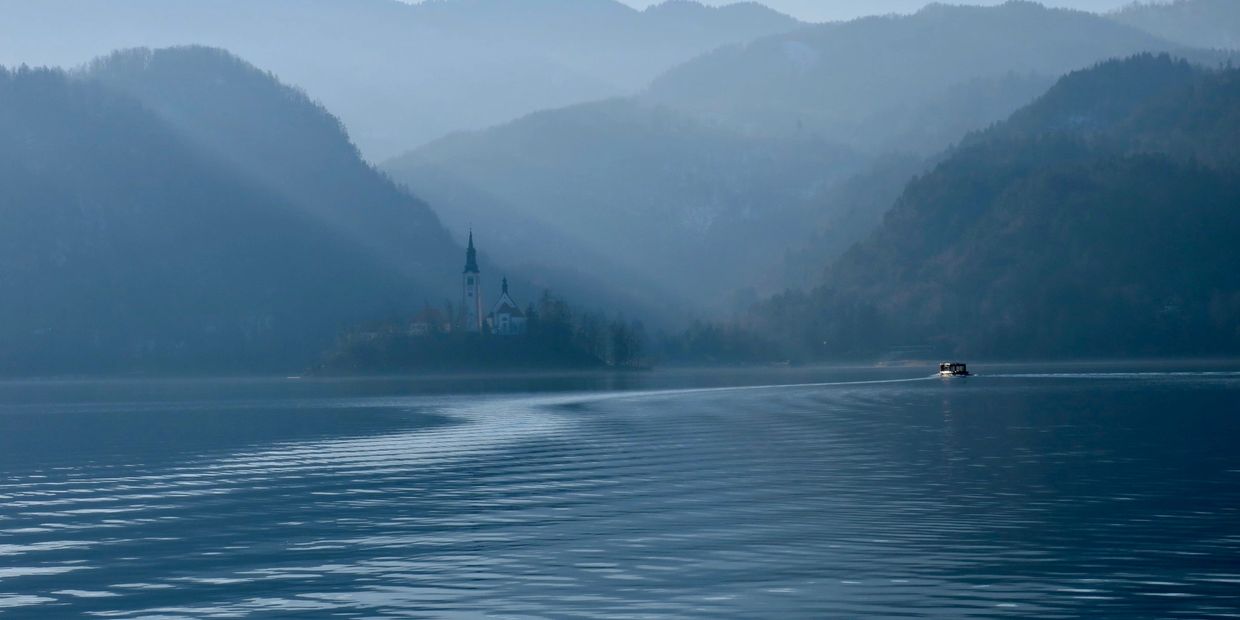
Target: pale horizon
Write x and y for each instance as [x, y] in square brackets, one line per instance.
[832, 10]
[837, 10]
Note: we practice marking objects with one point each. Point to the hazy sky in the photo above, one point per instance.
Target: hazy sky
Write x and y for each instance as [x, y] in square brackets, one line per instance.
[821, 10]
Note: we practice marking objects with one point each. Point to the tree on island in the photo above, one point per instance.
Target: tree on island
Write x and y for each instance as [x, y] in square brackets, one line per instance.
[556, 337]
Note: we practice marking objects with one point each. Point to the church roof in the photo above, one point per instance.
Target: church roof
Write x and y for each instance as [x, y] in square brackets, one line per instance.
[471, 256]
[506, 305]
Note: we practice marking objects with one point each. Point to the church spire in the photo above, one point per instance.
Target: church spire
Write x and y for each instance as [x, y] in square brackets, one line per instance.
[505, 285]
[471, 255]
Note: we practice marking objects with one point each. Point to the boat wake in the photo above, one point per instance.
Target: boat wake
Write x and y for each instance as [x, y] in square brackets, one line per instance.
[1119, 375]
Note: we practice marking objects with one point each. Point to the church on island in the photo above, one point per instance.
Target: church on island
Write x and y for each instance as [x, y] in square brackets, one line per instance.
[488, 332]
[505, 318]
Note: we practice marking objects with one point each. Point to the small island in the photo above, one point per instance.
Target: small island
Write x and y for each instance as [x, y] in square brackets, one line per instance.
[545, 335]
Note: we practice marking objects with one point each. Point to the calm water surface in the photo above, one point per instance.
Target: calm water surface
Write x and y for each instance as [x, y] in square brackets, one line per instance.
[1095, 492]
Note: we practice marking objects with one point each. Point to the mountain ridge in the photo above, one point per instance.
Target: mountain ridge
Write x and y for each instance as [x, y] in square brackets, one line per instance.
[1097, 221]
[560, 170]
[426, 70]
[132, 245]
[848, 81]
[1199, 23]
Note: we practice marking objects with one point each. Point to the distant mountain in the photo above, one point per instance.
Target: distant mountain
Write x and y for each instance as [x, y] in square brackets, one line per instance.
[727, 179]
[685, 213]
[401, 74]
[1199, 23]
[180, 210]
[913, 83]
[604, 38]
[1101, 220]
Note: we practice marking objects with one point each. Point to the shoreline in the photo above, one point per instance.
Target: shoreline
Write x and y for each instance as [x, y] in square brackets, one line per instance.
[664, 370]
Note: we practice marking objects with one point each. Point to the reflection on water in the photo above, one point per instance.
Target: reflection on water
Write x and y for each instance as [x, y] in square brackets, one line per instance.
[853, 492]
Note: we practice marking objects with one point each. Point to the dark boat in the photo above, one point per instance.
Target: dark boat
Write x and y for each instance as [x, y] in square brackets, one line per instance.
[953, 369]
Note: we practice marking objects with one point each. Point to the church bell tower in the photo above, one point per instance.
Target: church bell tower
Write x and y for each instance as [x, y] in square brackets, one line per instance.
[471, 297]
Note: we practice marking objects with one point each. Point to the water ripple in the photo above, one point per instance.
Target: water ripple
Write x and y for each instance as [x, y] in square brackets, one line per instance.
[1012, 495]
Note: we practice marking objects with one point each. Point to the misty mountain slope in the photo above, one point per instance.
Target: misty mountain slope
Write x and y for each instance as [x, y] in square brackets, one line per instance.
[843, 214]
[281, 141]
[1199, 23]
[1101, 220]
[126, 247]
[870, 81]
[398, 74]
[694, 208]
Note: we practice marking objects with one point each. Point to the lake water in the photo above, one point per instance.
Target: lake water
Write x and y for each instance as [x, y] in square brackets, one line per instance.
[1094, 492]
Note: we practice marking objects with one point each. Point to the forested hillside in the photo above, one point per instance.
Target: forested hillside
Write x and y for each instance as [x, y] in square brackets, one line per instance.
[212, 216]
[182, 211]
[1101, 220]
